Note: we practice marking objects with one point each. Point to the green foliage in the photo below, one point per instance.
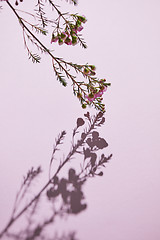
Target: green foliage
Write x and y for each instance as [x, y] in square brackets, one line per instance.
[35, 57]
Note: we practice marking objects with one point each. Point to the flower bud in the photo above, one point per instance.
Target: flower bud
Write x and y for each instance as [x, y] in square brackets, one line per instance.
[86, 71]
[95, 90]
[82, 19]
[67, 33]
[92, 67]
[71, 26]
[79, 95]
[74, 31]
[78, 23]
[60, 41]
[74, 40]
[91, 95]
[79, 28]
[101, 88]
[63, 35]
[54, 38]
[68, 41]
[102, 80]
[98, 94]
[84, 106]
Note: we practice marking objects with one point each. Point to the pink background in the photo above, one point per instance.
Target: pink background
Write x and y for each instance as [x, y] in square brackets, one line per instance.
[123, 42]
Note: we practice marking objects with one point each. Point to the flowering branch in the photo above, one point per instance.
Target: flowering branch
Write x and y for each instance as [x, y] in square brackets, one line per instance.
[86, 86]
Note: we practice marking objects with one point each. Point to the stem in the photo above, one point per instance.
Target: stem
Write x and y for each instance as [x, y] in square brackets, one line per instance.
[60, 14]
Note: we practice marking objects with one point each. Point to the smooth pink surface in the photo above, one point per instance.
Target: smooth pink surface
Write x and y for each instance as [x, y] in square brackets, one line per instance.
[123, 38]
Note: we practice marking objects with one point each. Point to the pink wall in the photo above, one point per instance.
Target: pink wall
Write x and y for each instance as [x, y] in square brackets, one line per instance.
[123, 38]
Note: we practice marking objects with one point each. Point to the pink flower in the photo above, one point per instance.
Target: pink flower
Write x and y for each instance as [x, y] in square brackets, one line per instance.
[90, 99]
[104, 89]
[64, 35]
[68, 41]
[99, 94]
[79, 28]
[96, 95]
[84, 20]
[86, 71]
[60, 41]
[54, 39]
[74, 30]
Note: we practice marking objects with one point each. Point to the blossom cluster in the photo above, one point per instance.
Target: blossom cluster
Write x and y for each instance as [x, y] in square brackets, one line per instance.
[96, 94]
[70, 35]
[95, 91]
[89, 70]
